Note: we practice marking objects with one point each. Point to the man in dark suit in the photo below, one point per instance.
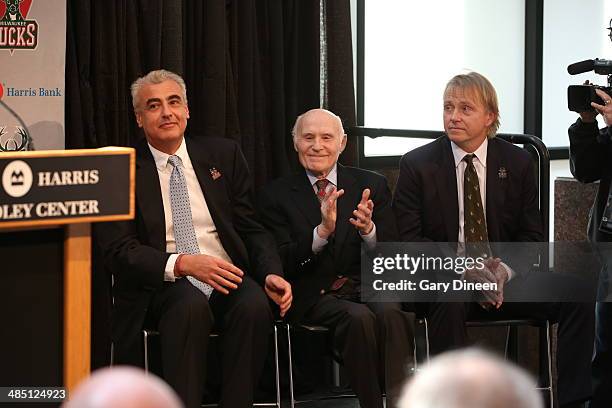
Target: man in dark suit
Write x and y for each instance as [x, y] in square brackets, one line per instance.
[320, 217]
[591, 160]
[191, 257]
[469, 187]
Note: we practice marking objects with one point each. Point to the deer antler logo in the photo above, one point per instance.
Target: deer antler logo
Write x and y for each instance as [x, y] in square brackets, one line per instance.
[20, 141]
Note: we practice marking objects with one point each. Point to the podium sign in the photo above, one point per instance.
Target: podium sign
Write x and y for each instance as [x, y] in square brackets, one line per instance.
[66, 186]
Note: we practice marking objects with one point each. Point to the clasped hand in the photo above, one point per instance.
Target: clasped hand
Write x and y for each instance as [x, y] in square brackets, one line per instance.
[493, 271]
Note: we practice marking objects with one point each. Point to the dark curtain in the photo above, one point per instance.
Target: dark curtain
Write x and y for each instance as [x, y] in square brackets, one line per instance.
[258, 69]
[251, 66]
[108, 45]
[339, 75]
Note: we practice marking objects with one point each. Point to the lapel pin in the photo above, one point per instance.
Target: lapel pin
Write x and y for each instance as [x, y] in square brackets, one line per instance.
[502, 173]
[214, 173]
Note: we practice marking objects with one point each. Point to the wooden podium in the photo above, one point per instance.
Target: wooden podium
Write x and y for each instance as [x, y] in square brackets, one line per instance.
[67, 189]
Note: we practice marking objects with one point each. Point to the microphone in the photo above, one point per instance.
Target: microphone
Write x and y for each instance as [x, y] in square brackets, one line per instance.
[580, 67]
[602, 66]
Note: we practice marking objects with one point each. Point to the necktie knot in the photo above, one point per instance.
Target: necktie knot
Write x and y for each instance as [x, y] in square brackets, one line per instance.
[321, 188]
[175, 161]
[468, 158]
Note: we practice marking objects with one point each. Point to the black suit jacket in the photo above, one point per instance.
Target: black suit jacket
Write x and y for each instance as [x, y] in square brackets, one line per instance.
[426, 205]
[290, 210]
[135, 251]
[591, 160]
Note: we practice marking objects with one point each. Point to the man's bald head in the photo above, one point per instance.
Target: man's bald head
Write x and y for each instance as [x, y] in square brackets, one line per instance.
[314, 113]
[123, 387]
[470, 379]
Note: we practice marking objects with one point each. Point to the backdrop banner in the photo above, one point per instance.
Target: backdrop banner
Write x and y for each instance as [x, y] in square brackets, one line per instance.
[32, 57]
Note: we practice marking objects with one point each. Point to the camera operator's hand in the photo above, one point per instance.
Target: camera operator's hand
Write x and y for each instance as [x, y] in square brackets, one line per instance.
[605, 109]
[588, 116]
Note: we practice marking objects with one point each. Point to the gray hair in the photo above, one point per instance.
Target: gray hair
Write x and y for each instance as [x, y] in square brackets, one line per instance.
[299, 119]
[470, 378]
[156, 77]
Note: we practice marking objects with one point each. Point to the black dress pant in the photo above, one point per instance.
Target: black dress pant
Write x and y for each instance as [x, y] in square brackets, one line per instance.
[375, 341]
[574, 340]
[184, 318]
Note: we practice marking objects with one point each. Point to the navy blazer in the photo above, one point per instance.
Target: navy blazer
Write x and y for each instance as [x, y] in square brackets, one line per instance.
[290, 210]
[590, 153]
[426, 204]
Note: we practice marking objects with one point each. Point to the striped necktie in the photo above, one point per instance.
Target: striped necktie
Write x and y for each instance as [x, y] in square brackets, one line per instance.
[321, 188]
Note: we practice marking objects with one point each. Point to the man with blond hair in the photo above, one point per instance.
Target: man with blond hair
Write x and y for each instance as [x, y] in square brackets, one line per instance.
[471, 188]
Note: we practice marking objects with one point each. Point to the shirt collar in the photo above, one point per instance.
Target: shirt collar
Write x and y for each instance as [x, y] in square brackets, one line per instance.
[332, 177]
[161, 158]
[480, 153]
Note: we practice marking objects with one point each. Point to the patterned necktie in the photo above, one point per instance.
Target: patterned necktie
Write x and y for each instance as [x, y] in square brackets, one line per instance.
[474, 225]
[184, 232]
[321, 188]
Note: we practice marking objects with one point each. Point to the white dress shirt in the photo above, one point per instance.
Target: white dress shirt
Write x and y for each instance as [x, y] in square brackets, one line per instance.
[319, 242]
[206, 232]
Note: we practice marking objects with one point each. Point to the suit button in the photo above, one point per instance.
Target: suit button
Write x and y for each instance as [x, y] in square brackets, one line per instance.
[322, 292]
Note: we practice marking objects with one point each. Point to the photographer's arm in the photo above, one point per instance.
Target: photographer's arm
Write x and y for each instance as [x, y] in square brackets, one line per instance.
[589, 145]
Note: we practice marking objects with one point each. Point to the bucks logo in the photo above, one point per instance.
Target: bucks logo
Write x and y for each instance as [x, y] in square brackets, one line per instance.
[16, 31]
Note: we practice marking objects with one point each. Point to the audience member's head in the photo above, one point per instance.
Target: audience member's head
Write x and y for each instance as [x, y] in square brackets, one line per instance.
[470, 378]
[123, 387]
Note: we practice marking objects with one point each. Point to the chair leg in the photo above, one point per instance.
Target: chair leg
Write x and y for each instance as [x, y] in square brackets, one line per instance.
[426, 339]
[547, 372]
[145, 336]
[546, 376]
[336, 374]
[289, 352]
[418, 343]
[277, 378]
[513, 344]
[549, 351]
[507, 343]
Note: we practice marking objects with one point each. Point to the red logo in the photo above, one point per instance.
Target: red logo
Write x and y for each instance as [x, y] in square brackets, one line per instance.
[16, 31]
[24, 7]
[1, 91]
